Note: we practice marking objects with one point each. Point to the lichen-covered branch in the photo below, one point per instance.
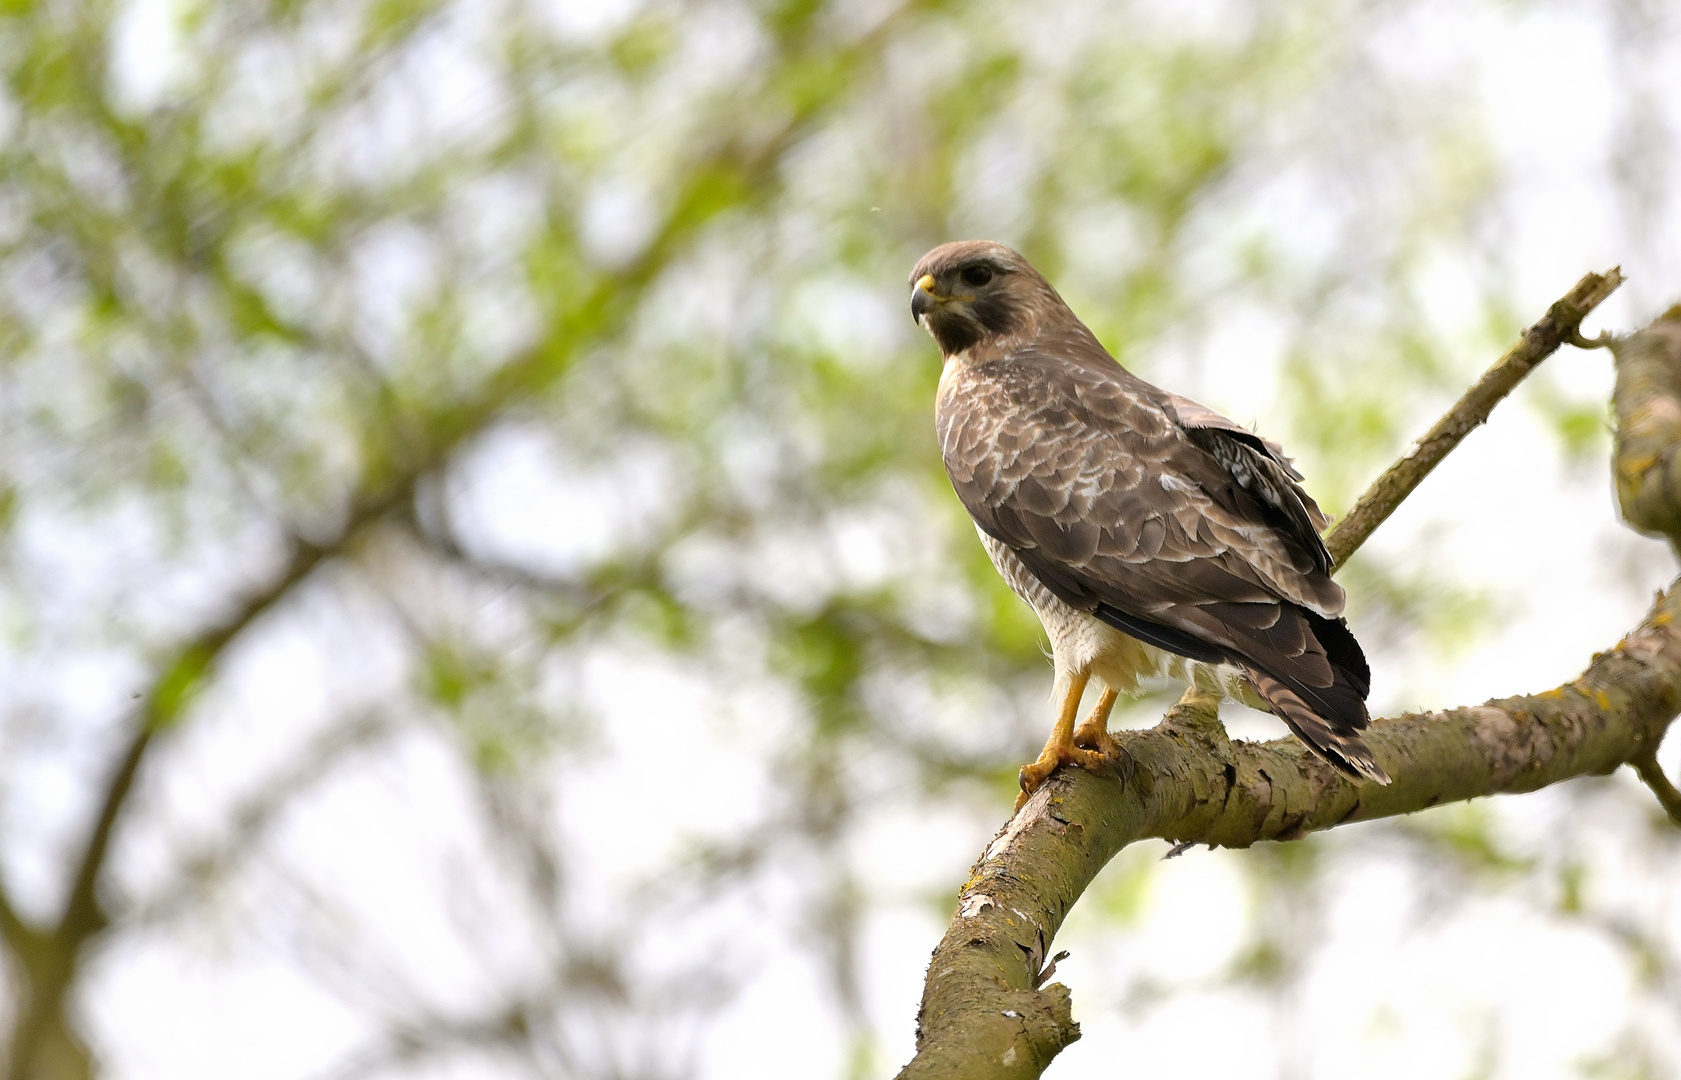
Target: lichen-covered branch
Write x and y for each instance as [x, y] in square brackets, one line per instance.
[1560, 325]
[1648, 402]
[983, 1015]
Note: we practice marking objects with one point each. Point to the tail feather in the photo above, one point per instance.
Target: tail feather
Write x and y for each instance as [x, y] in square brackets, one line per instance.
[1341, 745]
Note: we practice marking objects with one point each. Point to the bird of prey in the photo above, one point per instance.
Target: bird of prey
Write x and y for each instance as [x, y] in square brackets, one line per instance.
[1151, 535]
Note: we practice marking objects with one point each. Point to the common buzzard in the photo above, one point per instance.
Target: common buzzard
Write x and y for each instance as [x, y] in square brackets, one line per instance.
[1151, 535]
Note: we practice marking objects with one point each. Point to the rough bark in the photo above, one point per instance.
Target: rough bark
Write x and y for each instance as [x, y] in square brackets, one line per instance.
[982, 1015]
[1648, 401]
[986, 1012]
[1647, 467]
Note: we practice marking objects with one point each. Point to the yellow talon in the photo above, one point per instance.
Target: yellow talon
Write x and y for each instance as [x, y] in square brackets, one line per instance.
[1061, 750]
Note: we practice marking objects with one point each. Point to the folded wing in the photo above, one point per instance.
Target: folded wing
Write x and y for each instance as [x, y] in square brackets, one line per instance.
[1166, 520]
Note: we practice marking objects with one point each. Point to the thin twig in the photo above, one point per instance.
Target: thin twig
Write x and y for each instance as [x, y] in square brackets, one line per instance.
[1647, 766]
[1561, 324]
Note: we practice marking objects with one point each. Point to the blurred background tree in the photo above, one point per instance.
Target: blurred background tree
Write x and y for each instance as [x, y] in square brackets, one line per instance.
[481, 597]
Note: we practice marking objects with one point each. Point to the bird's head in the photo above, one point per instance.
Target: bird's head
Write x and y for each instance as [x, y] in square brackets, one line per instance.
[967, 290]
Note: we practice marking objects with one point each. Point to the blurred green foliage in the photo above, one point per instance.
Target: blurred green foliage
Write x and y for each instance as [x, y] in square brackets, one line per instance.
[277, 276]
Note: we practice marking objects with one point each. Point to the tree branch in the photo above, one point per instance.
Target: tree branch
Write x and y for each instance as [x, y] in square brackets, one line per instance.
[982, 1016]
[1650, 774]
[1561, 324]
[1648, 403]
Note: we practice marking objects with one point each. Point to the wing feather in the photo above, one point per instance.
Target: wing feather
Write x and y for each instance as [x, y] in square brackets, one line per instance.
[1162, 518]
[1125, 480]
[1261, 468]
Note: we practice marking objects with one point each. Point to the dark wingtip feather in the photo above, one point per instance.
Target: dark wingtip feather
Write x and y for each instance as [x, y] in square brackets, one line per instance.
[1345, 750]
[1343, 651]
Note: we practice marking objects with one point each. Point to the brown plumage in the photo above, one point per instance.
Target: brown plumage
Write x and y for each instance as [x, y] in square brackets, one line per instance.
[1146, 530]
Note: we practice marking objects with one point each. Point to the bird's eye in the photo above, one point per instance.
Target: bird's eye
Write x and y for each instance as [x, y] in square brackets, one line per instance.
[976, 275]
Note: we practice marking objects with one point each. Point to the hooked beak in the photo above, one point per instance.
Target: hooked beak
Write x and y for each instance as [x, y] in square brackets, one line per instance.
[922, 297]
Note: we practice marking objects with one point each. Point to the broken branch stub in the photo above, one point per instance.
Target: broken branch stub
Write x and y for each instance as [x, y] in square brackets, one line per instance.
[1648, 403]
